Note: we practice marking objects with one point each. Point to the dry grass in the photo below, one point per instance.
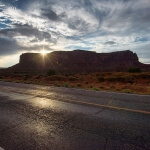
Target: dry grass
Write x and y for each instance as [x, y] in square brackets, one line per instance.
[106, 81]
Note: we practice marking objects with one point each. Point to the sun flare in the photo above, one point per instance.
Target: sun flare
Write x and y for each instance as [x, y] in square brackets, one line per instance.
[43, 52]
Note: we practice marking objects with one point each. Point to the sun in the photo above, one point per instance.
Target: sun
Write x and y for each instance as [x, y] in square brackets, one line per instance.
[43, 52]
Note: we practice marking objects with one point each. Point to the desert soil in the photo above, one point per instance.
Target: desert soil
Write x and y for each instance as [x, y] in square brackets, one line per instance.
[125, 82]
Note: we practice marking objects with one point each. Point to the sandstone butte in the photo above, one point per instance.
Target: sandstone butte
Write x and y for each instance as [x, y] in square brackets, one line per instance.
[77, 61]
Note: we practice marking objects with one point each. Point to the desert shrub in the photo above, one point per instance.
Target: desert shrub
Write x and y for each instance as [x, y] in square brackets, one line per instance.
[66, 85]
[79, 85]
[51, 72]
[66, 75]
[26, 77]
[145, 76]
[96, 89]
[91, 87]
[101, 79]
[126, 91]
[116, 79]
[1, 77]
[129, 79]
[120, 79]
[101, 87]
[56, 78]
[134, 70]
[112, 79]
[38, 77]
[72, 79]
[97, 74]
[57, 85]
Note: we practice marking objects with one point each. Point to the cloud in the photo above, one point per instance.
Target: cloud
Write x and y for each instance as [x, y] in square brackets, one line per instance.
[25, 30]
[21, 38]
[98, 25]
[8, 46]
[50, 14]
[110, 43]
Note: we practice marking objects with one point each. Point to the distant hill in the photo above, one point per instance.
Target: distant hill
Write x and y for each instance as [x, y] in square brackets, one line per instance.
[78, 61]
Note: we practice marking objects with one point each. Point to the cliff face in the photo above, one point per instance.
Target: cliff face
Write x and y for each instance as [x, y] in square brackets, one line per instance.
[78, 61]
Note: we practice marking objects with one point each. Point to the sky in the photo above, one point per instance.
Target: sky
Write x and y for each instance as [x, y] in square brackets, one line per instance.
[95, 25]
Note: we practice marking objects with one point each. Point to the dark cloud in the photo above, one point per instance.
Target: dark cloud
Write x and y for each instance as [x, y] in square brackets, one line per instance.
[50, 14]
[78, 24]
[101, 14]
[25, 30]
[8, 46]
[110, 43]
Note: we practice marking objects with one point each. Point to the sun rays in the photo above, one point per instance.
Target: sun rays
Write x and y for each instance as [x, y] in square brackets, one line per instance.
[43, 52]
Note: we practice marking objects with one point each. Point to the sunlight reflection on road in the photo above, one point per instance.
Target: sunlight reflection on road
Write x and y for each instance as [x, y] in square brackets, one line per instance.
[42, 102]
[41, 128]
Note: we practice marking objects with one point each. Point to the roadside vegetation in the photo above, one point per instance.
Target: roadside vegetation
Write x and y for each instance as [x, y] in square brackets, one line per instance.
[126, 82]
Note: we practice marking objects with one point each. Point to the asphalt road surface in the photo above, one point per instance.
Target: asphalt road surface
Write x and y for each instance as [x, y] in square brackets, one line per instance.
[34, 117]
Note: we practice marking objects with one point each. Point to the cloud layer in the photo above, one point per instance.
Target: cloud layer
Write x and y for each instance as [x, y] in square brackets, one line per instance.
[98, 25]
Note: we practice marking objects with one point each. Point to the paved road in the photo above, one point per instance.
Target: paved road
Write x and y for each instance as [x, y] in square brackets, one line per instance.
[51, 118]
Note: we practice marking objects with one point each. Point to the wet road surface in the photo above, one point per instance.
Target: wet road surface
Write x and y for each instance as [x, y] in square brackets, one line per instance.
[51, 118]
